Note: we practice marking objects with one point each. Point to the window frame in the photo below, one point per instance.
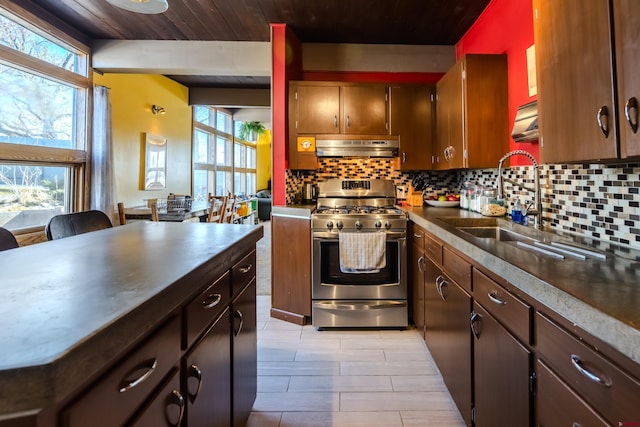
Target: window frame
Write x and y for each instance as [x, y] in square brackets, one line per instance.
[76, 160]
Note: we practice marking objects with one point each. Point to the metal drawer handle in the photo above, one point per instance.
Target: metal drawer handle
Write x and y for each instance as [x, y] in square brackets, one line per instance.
[417, 235]
[603, 125]
[245, 269]
[632, 103]
[576, 424]
[443, 283]
[211, 301]
[238, 315]
[476, 318]
[148, 366]
[492, 296]
[580, 366]
[174, 398]
[194, 372]
[420, 260]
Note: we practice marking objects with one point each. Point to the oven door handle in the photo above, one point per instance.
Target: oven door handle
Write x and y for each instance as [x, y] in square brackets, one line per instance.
[327, 236]
[357, 305]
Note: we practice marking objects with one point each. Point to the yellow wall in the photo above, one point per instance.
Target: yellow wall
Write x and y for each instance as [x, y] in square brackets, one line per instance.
[263, 158]
[132, 96]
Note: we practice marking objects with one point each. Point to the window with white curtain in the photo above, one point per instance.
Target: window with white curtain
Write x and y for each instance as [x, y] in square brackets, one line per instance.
[222, 163]
[43, 122]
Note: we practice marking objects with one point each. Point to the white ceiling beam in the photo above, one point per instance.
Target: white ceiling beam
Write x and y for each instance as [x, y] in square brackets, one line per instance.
[183, 57]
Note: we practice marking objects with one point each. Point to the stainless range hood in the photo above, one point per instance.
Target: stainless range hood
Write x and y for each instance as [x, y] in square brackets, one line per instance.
[525, 126]
[384, 147]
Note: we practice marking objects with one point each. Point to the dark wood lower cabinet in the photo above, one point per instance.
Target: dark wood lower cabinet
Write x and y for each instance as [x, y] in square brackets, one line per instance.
[245, 348]
[166, 409]
[502, 371]
[207, 377]
[557, 405]
[447, 308]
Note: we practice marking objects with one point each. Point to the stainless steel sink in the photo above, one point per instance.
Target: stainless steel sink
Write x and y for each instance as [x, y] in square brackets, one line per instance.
[502, 231]
[497, 233]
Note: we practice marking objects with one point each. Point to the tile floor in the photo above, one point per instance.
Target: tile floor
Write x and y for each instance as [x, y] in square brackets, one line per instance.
[310, 378]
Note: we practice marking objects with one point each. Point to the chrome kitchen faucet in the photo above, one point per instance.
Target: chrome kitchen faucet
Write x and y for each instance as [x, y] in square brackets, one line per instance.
[537, 212]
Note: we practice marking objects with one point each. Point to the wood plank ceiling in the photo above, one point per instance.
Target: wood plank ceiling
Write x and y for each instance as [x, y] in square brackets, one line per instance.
[414, 22]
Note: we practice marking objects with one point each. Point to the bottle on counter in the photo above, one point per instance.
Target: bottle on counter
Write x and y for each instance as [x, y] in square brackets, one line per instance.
[516, 211]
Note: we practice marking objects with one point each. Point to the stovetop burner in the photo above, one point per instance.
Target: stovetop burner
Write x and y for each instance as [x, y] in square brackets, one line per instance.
[355, 210]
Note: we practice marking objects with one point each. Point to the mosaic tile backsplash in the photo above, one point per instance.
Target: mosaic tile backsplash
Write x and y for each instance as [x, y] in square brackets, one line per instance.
[594, 200]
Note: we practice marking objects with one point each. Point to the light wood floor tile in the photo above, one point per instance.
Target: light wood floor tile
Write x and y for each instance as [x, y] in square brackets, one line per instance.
[273, 383]
[409, 367]
[340, 383]
[298, 368]
[395, 401]
[340, 356]
[264, 419]
[396, 344]
[271, 354]
[341, 419]
[419, 383]
[297, 402]
[392, 355]
[432, 419]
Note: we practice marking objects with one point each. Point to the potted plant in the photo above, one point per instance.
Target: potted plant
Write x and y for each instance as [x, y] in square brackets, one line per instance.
[250, 131]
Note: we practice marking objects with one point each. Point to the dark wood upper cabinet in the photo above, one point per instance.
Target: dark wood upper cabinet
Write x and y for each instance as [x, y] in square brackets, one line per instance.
[317, 109]
[365, 109]
[583, 65]
[472, 119]
[411, 118]
[627, 34]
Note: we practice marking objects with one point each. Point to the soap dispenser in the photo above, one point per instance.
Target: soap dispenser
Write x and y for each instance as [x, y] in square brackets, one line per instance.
[516, 212]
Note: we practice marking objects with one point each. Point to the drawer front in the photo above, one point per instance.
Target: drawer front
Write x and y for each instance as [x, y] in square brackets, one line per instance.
[514, 314]
[558, 405]
[243, 272]
[602, 385]
[114, 399]
[457, 268]
[167, 407]
[205, 308]
[417, 236]
[433, 249]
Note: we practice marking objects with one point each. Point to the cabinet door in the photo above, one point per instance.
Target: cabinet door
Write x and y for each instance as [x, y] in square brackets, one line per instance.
[291, 267]
[575, 80]
[448, 153]
[417, 261]
[502, 369]
[245, 349]
[167, 408]
[364, 109]
[627, 25]
[207, 377]
[410, 118]
[317, 109]
[557, 405]
[447, 310]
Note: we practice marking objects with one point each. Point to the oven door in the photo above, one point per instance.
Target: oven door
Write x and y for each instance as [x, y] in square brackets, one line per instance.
[328, 282]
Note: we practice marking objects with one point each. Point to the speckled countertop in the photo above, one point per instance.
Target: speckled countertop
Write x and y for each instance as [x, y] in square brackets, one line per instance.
[600, 296]
[69, 306]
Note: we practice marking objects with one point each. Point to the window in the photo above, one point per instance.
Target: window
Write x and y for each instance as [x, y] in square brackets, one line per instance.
[222, 163]
[43, 123]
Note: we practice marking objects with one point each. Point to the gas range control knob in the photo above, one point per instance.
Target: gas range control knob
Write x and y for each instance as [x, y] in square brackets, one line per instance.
[329, 225]
[387, 225]
[378, 224]
[339, 225]
[358, 225]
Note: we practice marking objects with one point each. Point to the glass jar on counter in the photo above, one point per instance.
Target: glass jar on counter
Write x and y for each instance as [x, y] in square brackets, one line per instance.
[490, 205]
[466, 191]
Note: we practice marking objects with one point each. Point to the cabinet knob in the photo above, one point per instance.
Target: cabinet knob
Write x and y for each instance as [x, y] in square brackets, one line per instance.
[194, 372]
[603, 120]
[174, 399]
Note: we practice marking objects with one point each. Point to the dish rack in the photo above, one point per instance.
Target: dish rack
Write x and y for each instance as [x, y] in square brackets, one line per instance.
[175, 203]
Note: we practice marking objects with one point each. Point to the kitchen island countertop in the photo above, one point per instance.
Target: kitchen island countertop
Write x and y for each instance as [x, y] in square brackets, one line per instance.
[601, 297]
[73, 305]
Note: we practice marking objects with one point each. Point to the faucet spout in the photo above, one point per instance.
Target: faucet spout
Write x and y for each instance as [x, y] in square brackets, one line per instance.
[536, 183]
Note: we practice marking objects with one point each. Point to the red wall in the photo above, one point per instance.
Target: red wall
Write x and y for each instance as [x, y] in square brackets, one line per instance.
[286, 57]
[506, 26]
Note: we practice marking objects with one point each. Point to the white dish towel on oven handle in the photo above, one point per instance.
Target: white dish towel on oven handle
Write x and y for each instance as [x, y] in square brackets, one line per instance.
[362, 252]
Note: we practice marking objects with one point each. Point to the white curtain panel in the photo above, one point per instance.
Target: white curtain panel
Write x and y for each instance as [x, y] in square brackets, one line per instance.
[103, 186]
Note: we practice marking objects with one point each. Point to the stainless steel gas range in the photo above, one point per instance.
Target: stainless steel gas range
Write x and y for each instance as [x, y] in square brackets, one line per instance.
[359, 274]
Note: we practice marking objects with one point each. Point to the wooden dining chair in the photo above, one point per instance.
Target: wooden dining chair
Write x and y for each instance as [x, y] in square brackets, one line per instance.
[229, 211]
[7, 240]
[217, 205]
[138, 214]
[66, 225]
